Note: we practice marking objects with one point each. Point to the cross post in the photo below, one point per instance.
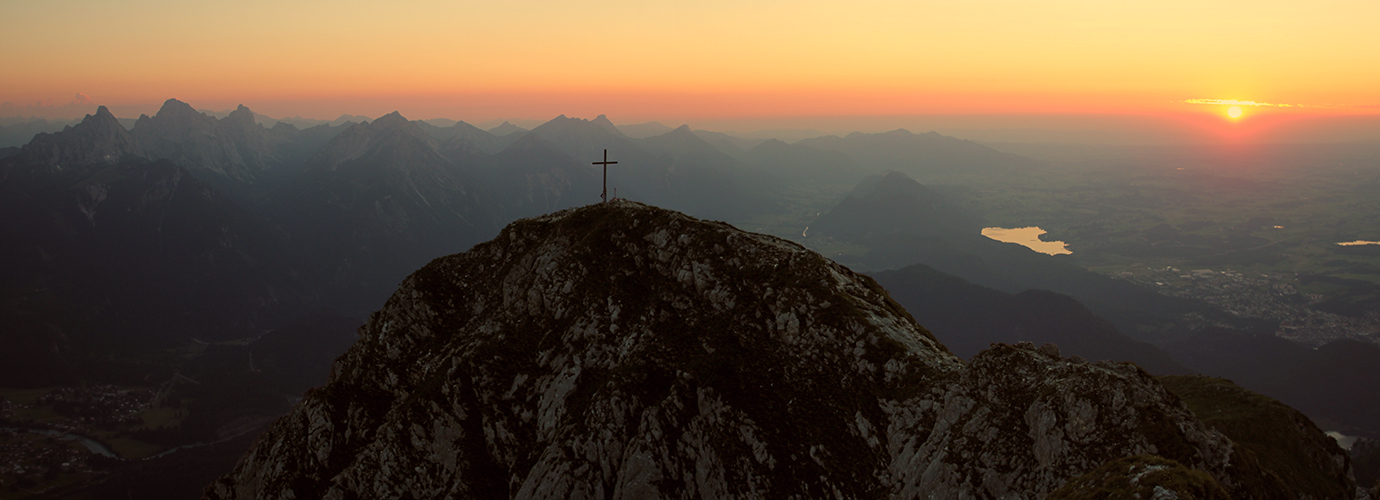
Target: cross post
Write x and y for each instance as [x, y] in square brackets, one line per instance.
[605, 195]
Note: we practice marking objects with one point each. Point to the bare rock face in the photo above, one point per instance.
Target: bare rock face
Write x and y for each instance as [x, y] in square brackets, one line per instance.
[98, 141]
[624, 351]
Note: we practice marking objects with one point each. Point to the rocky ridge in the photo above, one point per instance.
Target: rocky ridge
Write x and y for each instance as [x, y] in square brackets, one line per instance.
[624, 351]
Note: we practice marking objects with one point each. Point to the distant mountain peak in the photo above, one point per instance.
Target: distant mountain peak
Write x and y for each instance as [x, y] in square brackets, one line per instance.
[102, 113]
[176, 108]
[391, 120]
[97, 139]
[241, 116]
[603, 122]
[505, 129]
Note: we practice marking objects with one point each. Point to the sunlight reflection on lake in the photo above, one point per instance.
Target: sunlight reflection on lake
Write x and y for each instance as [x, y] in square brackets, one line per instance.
[1358, 243]
[1028, 237]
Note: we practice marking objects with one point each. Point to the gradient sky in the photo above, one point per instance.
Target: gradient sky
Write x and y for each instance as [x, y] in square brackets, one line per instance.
[708, 59]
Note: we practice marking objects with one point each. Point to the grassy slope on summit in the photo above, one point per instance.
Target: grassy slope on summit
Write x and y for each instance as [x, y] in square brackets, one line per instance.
[1294, 457]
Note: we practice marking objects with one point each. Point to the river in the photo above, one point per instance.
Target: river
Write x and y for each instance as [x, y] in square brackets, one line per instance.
[90, 444]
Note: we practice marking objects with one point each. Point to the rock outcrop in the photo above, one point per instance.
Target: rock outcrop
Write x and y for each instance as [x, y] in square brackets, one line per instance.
[98, 141]
[625, 351]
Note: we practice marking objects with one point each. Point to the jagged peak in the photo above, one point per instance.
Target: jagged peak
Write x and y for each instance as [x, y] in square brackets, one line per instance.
[603, 122]
[241, 115]
[174, 107]
[101, 120]
[391, 120]
[505, 129]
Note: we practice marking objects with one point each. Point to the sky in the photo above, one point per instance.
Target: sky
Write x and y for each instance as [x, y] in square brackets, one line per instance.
[763, 63]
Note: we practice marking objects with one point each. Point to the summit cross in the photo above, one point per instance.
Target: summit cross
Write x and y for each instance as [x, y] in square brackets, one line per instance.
[605, 195]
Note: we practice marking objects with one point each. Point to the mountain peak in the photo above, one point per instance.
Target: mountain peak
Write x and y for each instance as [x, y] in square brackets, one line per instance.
[391, 120]
[173, 108]
[505, 129]
[603, 122]
[241, 116]
[626, 350]
[97, 139]
[103, 113]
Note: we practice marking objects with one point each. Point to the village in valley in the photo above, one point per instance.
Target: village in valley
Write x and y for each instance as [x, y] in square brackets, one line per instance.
[1259, 295]
[52, 437]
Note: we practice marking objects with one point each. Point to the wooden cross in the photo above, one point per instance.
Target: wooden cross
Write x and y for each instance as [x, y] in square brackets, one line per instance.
[605, 195]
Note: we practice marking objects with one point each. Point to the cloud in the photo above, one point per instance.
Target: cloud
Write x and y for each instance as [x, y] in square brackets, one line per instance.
[81, 99]
[1234, 102]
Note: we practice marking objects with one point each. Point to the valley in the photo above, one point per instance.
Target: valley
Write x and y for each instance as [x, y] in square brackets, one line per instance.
[197, 284]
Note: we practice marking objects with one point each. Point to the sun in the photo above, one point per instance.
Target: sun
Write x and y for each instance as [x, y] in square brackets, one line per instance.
[1234, 112]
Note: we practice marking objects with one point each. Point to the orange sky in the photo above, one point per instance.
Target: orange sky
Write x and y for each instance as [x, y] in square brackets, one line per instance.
[684, 61]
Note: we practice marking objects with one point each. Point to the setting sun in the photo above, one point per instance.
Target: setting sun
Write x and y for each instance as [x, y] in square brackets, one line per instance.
[1234, 112]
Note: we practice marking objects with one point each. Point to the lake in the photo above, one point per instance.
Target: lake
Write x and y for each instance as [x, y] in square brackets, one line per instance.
[1028, 237]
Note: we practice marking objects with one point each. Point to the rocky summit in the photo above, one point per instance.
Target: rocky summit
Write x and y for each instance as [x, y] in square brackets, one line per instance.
[625, 351]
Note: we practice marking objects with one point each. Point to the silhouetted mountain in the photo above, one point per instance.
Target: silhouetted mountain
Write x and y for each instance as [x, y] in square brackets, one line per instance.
[96, 142]
[485, 141]
[506, 129]
[968, 318]
[378, 201]
[299, 146]
[233, 153]
[623, 351]
[535, 177]
[687, 148]
[8, 151]
[1336, 382]
[677, 170]
[644, 130]
[895, 203]
[925, 156]
[1284, 449]
[582, 139]
[902, 223]
[346, 119]
[18, 132]
[128, 258]
[731, 145]
[801, 162]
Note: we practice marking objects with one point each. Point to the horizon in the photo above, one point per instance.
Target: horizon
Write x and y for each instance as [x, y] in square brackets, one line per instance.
[1068, 128]
[1171, 72]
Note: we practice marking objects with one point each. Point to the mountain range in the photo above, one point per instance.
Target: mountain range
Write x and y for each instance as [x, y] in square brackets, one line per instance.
[245, 246]
[624, 351]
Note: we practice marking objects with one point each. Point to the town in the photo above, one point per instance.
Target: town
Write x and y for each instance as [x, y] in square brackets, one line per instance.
[53, 437]
[1267, 296]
